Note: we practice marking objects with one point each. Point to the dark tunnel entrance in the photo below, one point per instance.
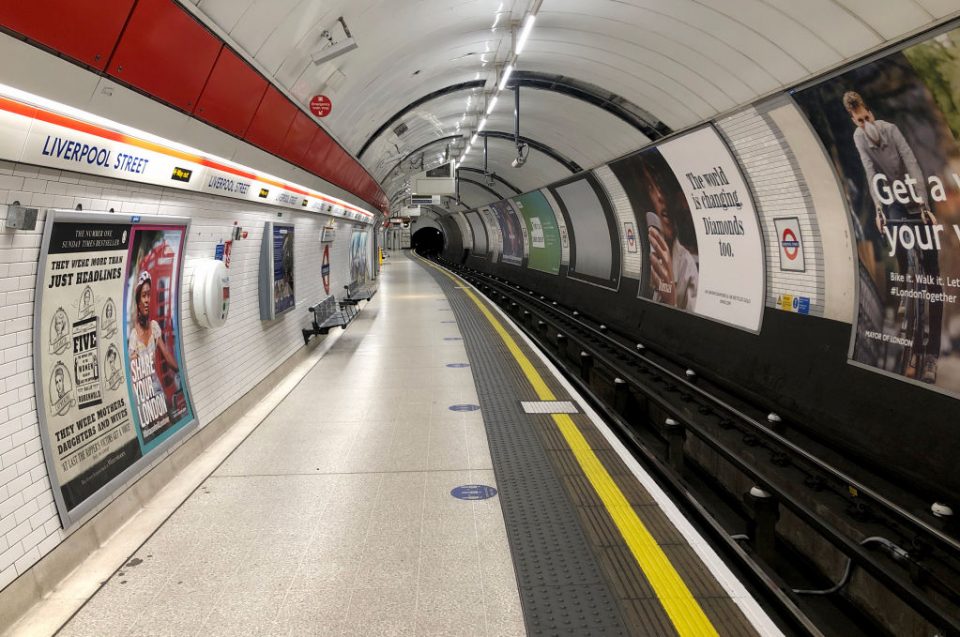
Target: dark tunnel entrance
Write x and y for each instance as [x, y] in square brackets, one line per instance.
[427, 242]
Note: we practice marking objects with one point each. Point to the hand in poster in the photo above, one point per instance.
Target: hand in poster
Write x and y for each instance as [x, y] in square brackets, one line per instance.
[881, 219]
[927, 216]
[661, 267]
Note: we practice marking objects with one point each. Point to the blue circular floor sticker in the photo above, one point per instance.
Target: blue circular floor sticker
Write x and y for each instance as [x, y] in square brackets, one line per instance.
[464, 407]
[473, 492]
[458, 365]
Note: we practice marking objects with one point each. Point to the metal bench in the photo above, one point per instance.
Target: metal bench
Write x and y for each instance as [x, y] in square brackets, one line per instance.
[357, 292]
[328, 314]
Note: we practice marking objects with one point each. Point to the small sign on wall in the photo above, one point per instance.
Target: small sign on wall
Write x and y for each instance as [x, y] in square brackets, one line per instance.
[320, 105]
[791, 244]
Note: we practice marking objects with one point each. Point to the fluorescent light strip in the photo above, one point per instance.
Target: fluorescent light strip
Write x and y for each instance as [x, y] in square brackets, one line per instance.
[483, 124]
[506, 76]
[493, 104]
[525, 33]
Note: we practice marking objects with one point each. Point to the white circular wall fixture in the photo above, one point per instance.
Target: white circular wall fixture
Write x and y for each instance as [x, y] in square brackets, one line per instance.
[211, 293]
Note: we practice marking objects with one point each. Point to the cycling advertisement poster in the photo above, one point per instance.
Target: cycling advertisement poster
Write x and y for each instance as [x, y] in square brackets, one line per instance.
[890, 128]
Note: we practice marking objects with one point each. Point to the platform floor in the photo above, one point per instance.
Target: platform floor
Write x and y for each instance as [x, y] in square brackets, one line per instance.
[337, 515]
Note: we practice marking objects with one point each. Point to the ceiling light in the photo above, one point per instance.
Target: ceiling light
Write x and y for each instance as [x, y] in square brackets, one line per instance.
[506, 76]
[334, 49]
[493, 104]
[474, 139]
[483, 123]
[525, 33]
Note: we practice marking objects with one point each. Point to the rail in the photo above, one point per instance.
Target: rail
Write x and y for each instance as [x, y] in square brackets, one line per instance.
[898, 517]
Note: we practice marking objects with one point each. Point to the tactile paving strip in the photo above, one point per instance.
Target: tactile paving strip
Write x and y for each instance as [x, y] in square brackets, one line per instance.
[641, 611]
[561, 587]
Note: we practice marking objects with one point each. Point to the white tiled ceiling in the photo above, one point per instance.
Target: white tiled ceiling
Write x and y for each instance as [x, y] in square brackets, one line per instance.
[682, 61]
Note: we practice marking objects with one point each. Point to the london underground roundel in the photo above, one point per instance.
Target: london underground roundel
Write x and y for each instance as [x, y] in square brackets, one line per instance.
[325, 269]
[791, 247]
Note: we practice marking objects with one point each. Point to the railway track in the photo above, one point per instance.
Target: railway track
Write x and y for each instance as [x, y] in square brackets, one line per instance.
[676, 420]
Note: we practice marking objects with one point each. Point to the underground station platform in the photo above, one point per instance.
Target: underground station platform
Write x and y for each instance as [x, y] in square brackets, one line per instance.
[487, 498]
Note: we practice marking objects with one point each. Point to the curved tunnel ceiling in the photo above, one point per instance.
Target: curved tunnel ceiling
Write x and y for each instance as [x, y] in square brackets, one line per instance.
[672, 63]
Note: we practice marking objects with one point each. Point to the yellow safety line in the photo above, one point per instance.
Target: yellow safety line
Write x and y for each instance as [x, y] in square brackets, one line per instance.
[686, 614]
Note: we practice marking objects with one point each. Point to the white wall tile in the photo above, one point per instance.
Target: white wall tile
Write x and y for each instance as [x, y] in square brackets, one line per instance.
[222, 365]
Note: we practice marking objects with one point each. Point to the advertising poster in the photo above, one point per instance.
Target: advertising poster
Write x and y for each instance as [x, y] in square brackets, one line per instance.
[479, 234]
[494, 236]
[283, 297]
[594, 238]
[511, 229]
[359, 271]
[545, 250]
[108, 370]
[890, 128]
[157, 389]
[698, 229]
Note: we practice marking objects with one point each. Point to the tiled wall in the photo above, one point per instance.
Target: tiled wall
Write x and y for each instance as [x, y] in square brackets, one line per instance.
[222, 365]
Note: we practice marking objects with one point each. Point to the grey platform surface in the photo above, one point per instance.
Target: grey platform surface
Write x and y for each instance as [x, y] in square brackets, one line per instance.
[335, 516]
[561, 585]
[577, 576]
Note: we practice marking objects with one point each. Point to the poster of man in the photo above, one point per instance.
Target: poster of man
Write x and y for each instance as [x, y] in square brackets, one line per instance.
[160, 404]
[890, 129]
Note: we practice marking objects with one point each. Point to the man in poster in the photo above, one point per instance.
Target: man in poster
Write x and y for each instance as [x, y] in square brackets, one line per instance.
[890, 128]
[886, 155]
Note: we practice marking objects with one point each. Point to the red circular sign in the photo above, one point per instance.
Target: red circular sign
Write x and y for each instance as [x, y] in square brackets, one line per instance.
[791, 247]
[325, 269]
[321, 105]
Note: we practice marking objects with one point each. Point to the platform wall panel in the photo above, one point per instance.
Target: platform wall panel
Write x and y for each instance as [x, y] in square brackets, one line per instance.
[221, 365]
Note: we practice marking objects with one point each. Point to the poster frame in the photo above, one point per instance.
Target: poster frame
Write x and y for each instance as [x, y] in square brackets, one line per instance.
[616, 254]
[268, 308]
[756, 215]
[69, 518]
[486, 235]
[897, 47]
[529, 247]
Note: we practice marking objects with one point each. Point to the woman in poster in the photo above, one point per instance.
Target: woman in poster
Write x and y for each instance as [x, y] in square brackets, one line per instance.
[143, 342]
[673, 269]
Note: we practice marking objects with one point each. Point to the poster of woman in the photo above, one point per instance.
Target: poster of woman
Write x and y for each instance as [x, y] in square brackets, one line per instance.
[110, 363]
[160, 403]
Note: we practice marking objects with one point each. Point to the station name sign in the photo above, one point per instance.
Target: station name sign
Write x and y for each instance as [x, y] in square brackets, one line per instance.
[45, 136]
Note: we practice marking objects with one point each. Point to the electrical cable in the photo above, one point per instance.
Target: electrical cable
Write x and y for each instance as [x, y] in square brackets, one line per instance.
[895, 552]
